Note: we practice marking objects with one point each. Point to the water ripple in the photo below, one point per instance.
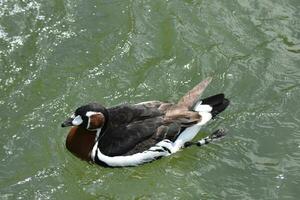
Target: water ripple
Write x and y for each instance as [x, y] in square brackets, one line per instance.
[57, 55]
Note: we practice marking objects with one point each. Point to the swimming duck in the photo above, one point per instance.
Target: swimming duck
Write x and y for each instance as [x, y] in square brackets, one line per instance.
[133, 134]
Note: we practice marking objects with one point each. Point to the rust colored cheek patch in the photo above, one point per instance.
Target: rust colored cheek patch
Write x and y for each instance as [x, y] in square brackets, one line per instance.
[96, 121]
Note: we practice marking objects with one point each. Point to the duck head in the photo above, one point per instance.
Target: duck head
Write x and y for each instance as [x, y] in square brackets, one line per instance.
[91, 117]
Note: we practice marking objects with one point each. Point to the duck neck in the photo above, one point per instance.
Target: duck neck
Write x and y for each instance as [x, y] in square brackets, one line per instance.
[80, 142]
[98, 132]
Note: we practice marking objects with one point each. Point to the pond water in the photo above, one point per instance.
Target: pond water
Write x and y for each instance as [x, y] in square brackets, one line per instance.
[58, 55]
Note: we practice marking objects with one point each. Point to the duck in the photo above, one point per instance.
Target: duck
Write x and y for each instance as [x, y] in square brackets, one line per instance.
[134, 134]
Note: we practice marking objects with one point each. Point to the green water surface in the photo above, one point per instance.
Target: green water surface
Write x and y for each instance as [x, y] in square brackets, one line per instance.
[56, 55]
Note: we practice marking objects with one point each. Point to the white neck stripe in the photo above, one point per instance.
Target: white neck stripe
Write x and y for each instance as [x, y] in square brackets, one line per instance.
[89, 114]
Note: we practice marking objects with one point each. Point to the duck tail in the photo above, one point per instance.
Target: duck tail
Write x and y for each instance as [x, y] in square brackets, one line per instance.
[217, 103]
[192, 97]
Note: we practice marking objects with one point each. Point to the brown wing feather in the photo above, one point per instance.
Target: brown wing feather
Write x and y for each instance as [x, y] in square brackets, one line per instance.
[193, 95]
[143, 125]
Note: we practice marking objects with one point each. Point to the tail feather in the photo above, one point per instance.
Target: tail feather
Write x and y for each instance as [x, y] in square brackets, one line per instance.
[220, 107]
[218, 103]
[214, 100]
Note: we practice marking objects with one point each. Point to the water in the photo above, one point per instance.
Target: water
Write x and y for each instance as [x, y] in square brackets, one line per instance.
[58, 55]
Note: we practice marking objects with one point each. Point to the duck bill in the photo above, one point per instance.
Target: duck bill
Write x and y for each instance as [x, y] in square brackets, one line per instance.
[68, 122]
